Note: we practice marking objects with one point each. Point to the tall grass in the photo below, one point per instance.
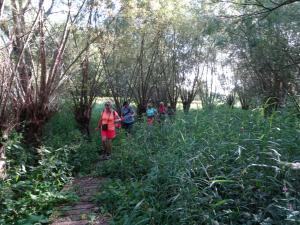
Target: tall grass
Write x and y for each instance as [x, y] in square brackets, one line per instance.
[209, 167]
[62, 130]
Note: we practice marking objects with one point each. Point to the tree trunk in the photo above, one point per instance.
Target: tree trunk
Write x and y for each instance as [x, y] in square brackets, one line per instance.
[32, 118]
[1, 7]
[141, 108]
[244, 102]
[118, 104]
[2, 162]
[83, 118]
[230, 100]
[173, 105]
[84, 102]
[186, 106]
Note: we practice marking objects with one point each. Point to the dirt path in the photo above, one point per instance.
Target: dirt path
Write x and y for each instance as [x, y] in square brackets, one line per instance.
[84, 211]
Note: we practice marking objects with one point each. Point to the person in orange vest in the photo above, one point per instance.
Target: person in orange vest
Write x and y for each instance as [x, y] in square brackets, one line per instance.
[107, 124]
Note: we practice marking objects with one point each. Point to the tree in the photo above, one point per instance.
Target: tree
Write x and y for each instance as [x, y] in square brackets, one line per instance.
[131, 58]
[188, 92]
[264, 54]
[84, 92]
[147, 52]
[36, 58]
[168, 82]
[8, 110]
[254, 8]
[117, 69]
[88, 81]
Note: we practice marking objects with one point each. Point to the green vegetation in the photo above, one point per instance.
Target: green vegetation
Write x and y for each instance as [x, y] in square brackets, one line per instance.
[209, 167]
[221, 166]
[31, 192]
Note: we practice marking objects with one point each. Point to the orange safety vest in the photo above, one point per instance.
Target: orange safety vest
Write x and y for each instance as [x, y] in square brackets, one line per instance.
[109, 119]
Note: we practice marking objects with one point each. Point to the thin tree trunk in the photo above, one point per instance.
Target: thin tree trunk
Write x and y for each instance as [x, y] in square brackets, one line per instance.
[2, 2]
[2, 162]
[186, 106]
[244, 102]
[84, 102]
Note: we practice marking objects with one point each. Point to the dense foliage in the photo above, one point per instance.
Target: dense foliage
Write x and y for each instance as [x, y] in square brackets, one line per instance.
[31, 191]
[214, 166]
[221, 166]
[210, 167]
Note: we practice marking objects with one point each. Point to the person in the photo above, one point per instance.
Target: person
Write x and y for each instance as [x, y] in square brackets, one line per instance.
[127, 115]
[162, 112]
[106, 124]
[171, 113]
[151, 112]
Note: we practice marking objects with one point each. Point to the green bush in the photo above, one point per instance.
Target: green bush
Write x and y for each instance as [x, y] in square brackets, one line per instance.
[221, 166]
[30, 192]
[225, 166]
[62, 130]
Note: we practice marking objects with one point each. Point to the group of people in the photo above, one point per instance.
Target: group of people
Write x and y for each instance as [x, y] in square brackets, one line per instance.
[109, 120]
[160, 114]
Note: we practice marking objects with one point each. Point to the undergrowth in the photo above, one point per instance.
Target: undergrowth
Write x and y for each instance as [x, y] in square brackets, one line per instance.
[224, 166]
[30, 192]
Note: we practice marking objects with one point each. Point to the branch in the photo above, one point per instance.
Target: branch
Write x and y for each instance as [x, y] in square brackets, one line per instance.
[85, 48]
[2, 2]
[49, 10]
[264, 12]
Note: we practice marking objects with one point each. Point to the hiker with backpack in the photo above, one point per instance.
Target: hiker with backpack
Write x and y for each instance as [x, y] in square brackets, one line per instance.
[162, 112]
[107, 124]
[127, 115]
[151, 113]
[170, 113]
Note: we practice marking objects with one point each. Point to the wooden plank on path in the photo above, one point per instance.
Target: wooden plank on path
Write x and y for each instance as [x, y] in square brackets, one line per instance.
[81, 222]
[78, 213]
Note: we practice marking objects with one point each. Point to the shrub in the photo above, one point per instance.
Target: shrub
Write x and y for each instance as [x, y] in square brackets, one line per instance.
[209, 167]
[30, 192]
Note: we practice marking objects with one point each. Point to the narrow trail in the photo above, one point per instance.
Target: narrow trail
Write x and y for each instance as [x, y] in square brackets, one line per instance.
[84, 211]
